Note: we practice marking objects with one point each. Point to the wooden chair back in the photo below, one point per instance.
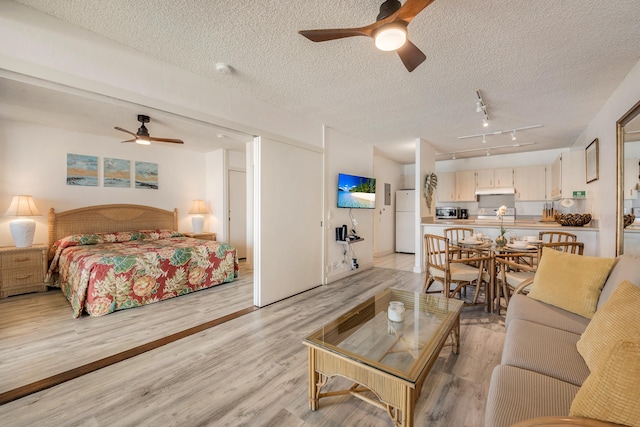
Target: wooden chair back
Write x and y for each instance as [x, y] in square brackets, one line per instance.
[569, 247]
[455, 234]
[556, 236]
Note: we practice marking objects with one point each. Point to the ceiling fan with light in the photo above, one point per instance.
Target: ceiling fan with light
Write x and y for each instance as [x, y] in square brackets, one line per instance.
[142, 136]
[389, 31]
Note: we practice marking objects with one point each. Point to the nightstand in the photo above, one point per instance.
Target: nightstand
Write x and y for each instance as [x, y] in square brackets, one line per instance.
[202, 236]
[22, 270]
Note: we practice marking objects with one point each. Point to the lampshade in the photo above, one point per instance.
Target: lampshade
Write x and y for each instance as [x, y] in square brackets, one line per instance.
[391, 36]
[22, 206]
[198, 207]
[22, 229]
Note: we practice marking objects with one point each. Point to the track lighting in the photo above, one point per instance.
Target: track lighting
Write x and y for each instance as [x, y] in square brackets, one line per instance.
[481, 107]
[454, 155]
[499, 132]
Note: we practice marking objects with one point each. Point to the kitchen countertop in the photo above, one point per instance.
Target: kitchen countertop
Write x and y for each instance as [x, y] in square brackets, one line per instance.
[526, 223]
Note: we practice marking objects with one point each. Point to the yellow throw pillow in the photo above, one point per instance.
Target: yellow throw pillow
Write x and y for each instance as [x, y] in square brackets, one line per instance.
[618, 318]
[611, 393]
[571, 282]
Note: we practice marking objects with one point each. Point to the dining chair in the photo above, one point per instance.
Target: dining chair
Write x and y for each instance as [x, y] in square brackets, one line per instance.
[456, 234]
[441, 266]
[516, 270]
[556, 236]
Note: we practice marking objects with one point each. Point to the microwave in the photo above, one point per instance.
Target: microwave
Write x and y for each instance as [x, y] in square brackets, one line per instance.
[447, 212]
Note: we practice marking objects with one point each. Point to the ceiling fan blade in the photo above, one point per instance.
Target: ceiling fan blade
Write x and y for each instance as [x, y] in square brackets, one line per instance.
[129, 140]
[339, 33]
[410, 9]
[171, 140]
[124, 130]
[410, 55]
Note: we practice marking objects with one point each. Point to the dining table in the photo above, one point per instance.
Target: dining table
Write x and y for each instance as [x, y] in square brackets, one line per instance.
[487, 247]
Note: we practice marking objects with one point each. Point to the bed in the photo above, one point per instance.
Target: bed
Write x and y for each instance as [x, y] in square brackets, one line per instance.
[113, 257]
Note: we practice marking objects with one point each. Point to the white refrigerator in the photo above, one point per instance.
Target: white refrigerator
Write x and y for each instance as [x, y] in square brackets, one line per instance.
[405, 221]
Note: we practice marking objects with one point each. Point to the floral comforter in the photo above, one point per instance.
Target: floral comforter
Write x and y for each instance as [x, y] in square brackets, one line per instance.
[105, 272]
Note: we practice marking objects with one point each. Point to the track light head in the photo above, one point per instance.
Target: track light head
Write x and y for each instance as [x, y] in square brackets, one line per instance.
[488, 153]
[453, 157]
[513, 135]
[484, 139]
[485, 122]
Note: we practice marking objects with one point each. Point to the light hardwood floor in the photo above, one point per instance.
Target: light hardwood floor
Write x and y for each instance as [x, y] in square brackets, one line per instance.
[250, 371]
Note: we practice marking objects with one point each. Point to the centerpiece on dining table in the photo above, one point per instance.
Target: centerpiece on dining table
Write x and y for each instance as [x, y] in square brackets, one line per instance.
[501, 240]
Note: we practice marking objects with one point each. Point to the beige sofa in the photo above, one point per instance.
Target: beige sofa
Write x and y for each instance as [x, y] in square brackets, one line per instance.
[541, 369]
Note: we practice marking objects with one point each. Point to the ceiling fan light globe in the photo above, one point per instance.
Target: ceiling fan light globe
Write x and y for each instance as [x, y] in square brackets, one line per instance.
[390, 38]
[143, 141]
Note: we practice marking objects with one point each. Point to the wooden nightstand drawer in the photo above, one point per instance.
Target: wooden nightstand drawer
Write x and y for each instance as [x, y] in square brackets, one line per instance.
[21, 277]
[20, 259]
[22, 270]
[202, 236]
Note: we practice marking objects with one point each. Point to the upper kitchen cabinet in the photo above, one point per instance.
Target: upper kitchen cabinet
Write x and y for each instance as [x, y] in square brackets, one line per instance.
[446, 189]
[568, 174]
[494, 178]
[631, 178]
[530, 183]
[466, 186]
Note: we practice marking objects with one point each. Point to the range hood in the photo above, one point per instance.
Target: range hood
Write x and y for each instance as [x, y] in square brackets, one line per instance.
[495, 190]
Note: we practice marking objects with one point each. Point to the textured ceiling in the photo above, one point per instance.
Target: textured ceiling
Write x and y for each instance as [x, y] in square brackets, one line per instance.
[544, 62]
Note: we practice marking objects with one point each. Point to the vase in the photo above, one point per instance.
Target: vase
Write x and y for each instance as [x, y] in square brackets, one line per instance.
[501, 240]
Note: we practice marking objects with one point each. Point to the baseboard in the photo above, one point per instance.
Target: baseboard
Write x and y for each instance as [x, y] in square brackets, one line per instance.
[347, 273]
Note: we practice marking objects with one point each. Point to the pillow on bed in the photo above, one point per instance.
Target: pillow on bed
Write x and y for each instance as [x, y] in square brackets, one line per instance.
[158, 234]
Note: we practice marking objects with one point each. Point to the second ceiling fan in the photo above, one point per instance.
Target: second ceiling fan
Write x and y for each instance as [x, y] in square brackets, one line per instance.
[389, 31]
[142, 136]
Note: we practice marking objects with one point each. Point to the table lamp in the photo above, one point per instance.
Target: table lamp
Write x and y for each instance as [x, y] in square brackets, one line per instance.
[22, 229]
[198, 209]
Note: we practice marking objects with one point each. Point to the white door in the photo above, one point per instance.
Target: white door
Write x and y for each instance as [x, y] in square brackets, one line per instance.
[238, 212]
[288, 244]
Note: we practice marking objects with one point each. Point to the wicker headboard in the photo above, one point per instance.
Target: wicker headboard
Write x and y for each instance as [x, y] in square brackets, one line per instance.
[109, 218]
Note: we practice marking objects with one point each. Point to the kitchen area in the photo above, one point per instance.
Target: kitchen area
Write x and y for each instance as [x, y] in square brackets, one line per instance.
[535, 195]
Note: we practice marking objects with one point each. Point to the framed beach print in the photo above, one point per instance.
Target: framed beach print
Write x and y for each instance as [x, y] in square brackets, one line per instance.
[117, 173]
[591, 157]
[147, 175]
[82, 170]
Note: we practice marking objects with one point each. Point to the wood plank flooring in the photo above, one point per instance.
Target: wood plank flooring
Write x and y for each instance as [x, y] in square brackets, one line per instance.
[249, 371]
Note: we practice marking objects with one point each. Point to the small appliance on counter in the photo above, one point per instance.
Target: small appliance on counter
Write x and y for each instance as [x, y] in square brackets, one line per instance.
[463, 214]
[450, 212]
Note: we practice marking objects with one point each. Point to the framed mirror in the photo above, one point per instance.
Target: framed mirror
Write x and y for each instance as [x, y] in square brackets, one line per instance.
[628, 182]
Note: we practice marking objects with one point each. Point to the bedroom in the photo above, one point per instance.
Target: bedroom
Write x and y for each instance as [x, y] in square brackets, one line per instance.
[360, 158]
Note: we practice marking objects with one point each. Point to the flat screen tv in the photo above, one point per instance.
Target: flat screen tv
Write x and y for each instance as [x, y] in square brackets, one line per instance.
[356, 192]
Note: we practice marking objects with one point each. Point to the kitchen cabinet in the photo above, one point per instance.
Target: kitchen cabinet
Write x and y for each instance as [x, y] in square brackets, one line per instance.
[530, 183]
[556, 178]
[631, 178]
[568, 174]
[466, 186]
[446, 189]
[494, 178]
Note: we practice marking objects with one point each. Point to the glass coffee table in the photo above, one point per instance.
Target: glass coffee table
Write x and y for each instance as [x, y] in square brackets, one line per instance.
[387, 360]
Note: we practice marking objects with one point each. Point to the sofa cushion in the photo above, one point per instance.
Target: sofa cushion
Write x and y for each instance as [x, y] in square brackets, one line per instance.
[627, 268]
[525, 308]
[612, 392]
[545, 350]
[618, 318]
[517, 394]
[571, 282]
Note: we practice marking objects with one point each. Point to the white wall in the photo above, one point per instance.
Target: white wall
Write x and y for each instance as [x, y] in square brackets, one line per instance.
[603, 127]
[34, 162]
[384, 228]
[215, 191]
[346, 155]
